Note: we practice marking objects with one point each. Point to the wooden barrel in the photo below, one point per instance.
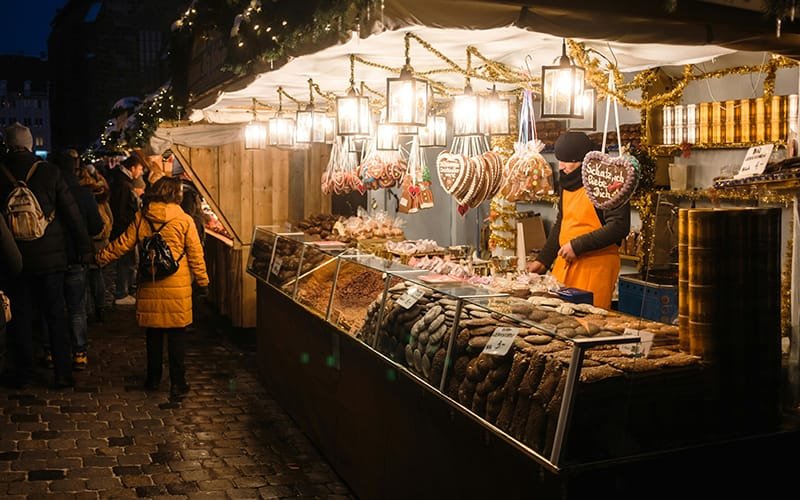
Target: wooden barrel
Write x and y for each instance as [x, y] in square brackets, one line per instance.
[683, 280]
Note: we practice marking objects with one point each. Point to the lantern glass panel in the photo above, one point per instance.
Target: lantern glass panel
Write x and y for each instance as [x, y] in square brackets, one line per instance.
[310, 126]
[561, 87]
[386, 138]
[466, 115]
[281, 131]
[352, 115]
[255, 135]
[407, 101]
[434, 134]
[494, 116]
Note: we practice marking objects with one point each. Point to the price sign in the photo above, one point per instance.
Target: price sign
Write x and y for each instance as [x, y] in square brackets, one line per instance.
[412, 295]
[638, 349]
[276, 266]
[501, 340]
[755, 161]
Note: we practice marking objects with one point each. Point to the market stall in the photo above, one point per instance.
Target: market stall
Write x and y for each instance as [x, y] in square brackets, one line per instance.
[396, 317]
[245, 189]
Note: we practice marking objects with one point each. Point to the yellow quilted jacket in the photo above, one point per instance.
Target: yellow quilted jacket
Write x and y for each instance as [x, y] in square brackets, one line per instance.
[164, 303]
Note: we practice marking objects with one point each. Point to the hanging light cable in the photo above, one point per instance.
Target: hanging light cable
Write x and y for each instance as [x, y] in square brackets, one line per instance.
[281, 128]
[562, 86]
[352, 111]
[407, 96]
[310, 125]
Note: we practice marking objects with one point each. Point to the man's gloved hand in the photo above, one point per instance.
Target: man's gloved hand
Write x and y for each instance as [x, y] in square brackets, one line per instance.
[202, 292]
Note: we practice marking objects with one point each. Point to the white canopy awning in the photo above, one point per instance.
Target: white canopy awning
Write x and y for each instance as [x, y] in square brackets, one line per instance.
[519, 48]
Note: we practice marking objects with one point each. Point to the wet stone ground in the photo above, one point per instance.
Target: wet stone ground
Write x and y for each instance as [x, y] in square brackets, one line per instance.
[107, 438]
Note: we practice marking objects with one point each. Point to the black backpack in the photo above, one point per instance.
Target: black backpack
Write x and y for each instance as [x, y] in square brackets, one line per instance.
[155, 257]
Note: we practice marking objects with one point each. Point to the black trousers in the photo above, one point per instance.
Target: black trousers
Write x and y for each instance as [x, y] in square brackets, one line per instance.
[176, 347]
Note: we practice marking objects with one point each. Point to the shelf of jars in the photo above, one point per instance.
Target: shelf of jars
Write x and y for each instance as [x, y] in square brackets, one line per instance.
[729, 124]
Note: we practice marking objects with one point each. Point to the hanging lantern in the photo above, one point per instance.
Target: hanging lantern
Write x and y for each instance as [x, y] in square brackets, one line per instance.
[386, 137]
[406, 96]
[281, 128]
[494, 114]
[352, 111]
[310, 125]
[330, 129]
[466, 113]
[562, 86]
[255, 132]
[434, 133]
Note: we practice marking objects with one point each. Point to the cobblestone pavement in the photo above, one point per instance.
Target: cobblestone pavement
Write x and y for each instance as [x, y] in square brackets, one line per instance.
[107, 438]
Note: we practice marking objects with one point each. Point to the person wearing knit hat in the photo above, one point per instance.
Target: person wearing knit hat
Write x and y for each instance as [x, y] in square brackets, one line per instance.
[38, 292]
[18, 137]
[583, 244]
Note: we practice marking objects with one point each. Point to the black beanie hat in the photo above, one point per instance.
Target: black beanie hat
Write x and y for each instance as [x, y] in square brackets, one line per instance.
[572, 146]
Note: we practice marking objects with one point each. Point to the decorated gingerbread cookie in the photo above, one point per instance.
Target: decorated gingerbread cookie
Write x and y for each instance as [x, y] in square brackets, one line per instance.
[609, 181]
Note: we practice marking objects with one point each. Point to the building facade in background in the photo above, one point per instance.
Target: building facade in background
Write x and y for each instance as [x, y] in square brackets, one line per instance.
[100, 52]
[24, 98]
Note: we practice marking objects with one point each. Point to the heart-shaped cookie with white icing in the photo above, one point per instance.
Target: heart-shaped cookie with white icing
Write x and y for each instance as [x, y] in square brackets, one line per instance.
[609, 181]
[451, 170]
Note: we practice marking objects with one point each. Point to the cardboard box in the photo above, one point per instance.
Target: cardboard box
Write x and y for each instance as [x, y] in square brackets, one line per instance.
[530, 231]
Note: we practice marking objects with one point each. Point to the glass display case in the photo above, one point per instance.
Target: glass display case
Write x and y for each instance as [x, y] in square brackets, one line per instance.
[567, 383]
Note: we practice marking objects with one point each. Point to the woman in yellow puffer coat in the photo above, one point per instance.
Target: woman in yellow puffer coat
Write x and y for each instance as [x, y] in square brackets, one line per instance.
[164, 306]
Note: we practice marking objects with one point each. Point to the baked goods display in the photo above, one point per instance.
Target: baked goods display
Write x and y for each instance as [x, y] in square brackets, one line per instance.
[519, 392]
[260, 255]
[356, 288]
[352, 229]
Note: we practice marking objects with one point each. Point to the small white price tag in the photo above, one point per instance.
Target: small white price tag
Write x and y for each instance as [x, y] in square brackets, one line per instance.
[276, 266]
[501, 340]
[638, 349]
[412, 295]
[755, 161]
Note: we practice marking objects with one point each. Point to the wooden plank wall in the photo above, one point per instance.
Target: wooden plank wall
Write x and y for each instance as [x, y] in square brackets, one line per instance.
[249, 188]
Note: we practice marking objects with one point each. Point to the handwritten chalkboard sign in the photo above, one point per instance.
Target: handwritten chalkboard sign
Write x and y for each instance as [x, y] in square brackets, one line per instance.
[755, 161]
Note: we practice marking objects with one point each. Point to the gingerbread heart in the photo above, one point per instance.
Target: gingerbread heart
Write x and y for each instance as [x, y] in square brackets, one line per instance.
[609, 181]
[413, 190]
[451, 168]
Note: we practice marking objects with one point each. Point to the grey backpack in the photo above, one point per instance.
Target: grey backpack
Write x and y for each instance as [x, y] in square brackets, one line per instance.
[24, 215]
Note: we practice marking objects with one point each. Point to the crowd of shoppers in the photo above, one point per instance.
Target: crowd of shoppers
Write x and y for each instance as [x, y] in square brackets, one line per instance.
[92, 215]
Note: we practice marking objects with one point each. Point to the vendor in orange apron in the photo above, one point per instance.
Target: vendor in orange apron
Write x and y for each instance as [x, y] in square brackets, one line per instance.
[583, 244]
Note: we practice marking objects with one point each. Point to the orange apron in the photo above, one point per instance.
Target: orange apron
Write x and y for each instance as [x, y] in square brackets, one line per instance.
[595, 271]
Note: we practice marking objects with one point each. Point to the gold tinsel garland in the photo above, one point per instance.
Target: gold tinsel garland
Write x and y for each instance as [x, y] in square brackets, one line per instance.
[598, 78]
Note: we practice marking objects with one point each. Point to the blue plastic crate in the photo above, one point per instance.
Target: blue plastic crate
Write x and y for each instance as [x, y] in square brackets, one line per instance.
[654, 301]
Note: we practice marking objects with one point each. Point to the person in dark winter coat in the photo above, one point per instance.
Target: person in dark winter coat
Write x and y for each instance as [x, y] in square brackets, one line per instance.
[124, 206]
[10, 258]
[75, 278]
[95, 283]
[44, 261]
[10, 266]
